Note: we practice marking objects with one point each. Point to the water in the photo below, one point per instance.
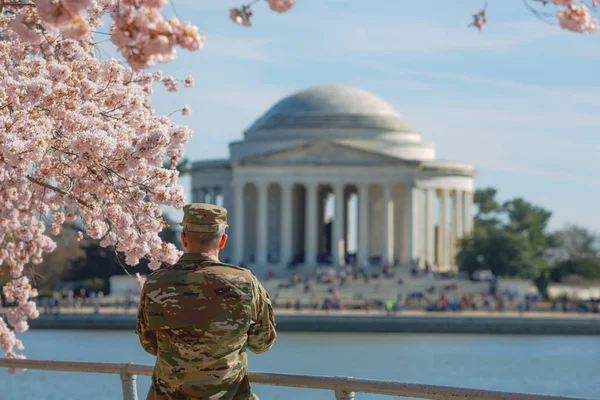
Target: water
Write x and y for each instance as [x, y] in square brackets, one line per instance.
[554, 365]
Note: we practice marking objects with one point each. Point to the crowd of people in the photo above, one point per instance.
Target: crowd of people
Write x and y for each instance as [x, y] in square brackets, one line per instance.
[441, 294]
[437, 292]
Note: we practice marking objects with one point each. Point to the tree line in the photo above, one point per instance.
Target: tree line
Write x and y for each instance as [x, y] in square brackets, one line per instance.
[512, 239]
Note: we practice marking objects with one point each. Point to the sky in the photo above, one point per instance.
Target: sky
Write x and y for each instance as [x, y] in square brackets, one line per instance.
[520, 101]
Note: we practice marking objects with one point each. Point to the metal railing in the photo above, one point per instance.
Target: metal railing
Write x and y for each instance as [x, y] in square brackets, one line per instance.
[343, 387]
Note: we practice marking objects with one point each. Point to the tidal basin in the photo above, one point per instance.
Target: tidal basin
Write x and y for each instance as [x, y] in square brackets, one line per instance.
[551, 365]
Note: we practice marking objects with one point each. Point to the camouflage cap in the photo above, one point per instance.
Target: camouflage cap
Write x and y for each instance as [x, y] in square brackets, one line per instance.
[201, 217]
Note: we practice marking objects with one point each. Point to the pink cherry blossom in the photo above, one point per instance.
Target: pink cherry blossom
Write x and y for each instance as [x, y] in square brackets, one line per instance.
[170, 83]
[59, 217]
[241, 16]
[54, 13]
[186, 110]
[189, 81]
[56, 229]
[281, 5]
[577, 19]
[145, 39]
[24, 25]
[479, 20]
[78, 29]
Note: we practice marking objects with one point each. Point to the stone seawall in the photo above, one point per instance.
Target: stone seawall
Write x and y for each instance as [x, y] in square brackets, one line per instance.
[428, 323]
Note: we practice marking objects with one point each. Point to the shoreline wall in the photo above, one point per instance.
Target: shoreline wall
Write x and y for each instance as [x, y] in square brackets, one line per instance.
[361, 324]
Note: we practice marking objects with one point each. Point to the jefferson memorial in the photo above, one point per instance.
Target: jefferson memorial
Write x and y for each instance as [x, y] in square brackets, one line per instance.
[334, 175]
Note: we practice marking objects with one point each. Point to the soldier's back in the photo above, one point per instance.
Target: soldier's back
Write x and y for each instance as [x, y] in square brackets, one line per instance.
[201, 311]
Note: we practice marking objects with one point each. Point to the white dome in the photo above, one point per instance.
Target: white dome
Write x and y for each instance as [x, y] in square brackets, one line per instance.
[331, 107]
[334, 113]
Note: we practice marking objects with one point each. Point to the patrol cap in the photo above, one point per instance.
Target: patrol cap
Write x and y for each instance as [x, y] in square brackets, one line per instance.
[202, 217]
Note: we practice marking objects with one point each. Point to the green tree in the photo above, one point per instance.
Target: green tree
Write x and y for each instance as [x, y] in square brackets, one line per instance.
[485, 200]
[575, 242]
[576, 255]
[529, 224]
[494, 249]
[508, 239]
[578, 268]
[94, 284]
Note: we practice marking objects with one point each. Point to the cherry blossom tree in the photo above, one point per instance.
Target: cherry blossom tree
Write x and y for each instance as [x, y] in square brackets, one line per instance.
[79, 140]
[573, 15]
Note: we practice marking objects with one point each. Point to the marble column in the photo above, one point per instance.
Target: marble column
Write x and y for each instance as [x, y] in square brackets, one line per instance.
[363, 225]
[311, 236]
[458, 214]
[467, 212]
[346, 219]
[413, 228]
[286, 222]
[457, 222]
[388, 224]
[321, 218]
[429, 226]
[212, 195]
[443, 230]
[226, 193]
[261, 231]
[337, 247]
[238, 223]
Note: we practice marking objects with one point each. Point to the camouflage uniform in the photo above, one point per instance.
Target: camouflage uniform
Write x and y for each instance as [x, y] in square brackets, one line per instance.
[198, 317]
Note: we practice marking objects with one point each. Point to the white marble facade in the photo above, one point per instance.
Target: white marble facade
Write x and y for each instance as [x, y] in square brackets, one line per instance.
[343, 142]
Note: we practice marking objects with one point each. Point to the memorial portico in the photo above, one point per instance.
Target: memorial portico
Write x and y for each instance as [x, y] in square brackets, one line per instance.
[333, 174]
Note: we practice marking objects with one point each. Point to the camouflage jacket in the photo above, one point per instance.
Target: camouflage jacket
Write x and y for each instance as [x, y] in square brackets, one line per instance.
[198, 317]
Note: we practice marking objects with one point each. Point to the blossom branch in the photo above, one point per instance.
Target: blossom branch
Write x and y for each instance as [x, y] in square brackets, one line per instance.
[572, 15]
[57, 190]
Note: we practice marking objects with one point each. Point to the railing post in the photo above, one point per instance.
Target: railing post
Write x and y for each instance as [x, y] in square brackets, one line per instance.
[128, 383]
[340, 392]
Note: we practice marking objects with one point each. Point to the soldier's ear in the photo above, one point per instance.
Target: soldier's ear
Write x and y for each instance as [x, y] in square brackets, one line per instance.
[184, 241]
[223, 241]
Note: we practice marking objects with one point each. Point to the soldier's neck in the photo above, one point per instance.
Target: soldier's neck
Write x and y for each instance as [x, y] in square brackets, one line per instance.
[211, 252]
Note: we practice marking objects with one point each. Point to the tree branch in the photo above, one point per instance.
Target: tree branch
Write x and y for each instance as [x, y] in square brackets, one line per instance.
[55, 189]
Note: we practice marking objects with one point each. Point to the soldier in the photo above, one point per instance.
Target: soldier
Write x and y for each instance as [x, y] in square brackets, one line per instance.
[199, 315]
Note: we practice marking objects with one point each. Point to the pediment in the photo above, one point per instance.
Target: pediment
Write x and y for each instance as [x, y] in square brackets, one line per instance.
[322, 153]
